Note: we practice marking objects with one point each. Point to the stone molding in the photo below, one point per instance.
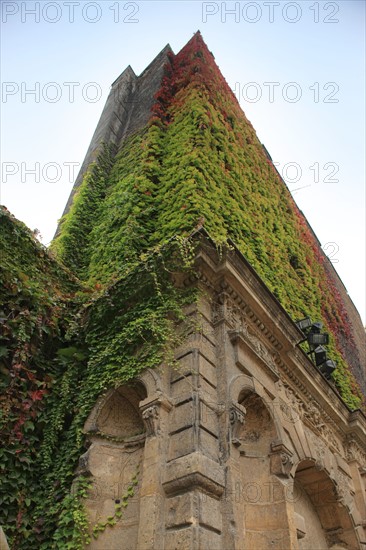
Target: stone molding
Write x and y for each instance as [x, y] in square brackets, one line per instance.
[244, 337]
[194, 471]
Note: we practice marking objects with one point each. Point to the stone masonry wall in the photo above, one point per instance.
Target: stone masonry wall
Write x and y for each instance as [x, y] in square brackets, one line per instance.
[245, 444]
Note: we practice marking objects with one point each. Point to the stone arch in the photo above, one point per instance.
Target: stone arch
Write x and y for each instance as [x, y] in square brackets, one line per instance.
[119, 416]
[322, 518]
[259, 429]
[151, 382]
[117, 434]
[262, 495]
[240, 383]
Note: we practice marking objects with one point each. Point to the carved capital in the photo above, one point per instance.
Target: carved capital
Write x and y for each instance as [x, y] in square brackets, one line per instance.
[150, 417]
[281, 459]
[151, 411]
[354, 451]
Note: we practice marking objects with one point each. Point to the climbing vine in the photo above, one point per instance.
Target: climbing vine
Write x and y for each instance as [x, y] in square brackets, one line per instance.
[199, 163]
[119, 506]
[67, 340]
[59, 359]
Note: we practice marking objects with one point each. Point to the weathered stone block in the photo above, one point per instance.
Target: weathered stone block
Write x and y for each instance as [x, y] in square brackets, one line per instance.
[274, 540]
[210, 511]
[299, 525]
[208, 444]
[179, 540]
[209, 540]
[207, 370]
[208, 390]
[179, 510]
[185, 366]
[181, 444]
[266, 517]
[182, 386]
[209, 417]
[182, 416]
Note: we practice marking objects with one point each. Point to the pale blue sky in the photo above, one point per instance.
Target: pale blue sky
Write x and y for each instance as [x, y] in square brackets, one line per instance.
[311, 51]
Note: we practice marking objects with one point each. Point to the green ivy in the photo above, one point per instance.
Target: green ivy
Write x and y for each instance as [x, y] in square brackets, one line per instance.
[60, 358]
[199, 162]
[67, 340]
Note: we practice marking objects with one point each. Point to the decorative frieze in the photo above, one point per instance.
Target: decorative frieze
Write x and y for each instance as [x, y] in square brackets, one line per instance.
[310, 413]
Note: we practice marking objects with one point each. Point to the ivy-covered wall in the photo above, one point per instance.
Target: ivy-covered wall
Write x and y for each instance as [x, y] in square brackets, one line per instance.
[199, 162]
[90, 314]
[62, 345]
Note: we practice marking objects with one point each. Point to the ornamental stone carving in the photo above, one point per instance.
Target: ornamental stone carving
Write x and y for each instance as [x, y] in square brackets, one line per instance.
[281, 459]
[236, 417]
[354, 450]
[150, 417]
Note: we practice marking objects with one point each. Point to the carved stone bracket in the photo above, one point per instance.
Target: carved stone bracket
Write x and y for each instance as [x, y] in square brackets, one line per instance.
[150, 416]
[281, 459]
[236, 417]
[345, 490]
[151, 410]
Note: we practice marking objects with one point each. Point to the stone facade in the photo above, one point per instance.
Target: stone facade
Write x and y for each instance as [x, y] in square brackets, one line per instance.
[244, 445]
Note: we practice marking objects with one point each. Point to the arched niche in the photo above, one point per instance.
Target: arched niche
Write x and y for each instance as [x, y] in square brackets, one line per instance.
[117, 434]
[322, 520]
[119, 416]
[258, 430]
[260, 499]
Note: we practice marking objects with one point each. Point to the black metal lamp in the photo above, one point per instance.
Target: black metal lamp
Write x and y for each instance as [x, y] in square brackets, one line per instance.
[316, 327]
[327, 368]
[303, 324]
[320, 355]
[317, 338]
